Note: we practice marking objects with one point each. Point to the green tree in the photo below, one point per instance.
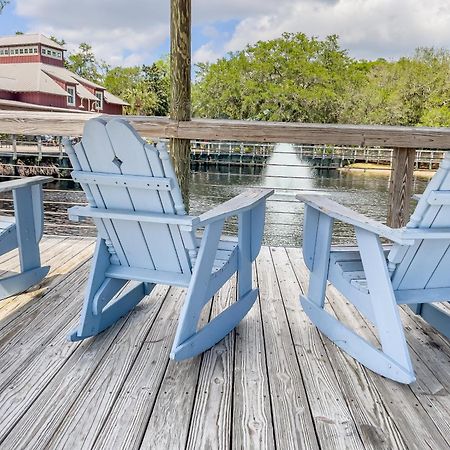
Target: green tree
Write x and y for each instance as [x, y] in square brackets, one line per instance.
[145, 88]
[410, 91]
[84, 63]
[3, 3]
[119, 79]
[61, 42]
[157, 78]
[292, 78]
[141, 100]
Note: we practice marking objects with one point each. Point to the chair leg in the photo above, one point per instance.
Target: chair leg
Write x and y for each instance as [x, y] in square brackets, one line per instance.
[20, 282]
[97, 313]
[386, 315]
[31, 271]
[198, 287]
[353, 344]
[392, 360]
[436, 317]
[188, 341]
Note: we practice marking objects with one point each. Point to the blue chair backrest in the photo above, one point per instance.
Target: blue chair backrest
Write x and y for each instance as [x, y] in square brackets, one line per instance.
[113, 148]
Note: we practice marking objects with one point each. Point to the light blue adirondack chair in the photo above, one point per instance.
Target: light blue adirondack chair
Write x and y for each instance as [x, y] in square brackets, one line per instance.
[23, 231]
[415, 270]
[145, 235]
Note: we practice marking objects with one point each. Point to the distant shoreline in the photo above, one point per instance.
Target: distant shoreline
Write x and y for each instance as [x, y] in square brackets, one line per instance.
[380, 169]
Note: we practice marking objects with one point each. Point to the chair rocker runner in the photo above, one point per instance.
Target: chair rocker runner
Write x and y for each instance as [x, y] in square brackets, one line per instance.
[23, 231]
[145, 236]
[375, 279]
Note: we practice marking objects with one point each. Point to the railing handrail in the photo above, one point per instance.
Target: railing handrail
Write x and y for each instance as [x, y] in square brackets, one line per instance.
[71, 124]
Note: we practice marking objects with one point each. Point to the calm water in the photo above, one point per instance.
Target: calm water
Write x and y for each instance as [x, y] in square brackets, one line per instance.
[288, 174]
[285, 172]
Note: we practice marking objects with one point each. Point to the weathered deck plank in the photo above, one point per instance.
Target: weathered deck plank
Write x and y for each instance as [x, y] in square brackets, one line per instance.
[334, 423]
[275, 382]
[92, 406]
[288, 395]
[211, 417]
[410, 414]
[376, 428]
[175, 399]
[252, 426]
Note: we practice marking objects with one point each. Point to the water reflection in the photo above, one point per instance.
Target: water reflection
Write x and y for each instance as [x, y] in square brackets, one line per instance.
[286, 170]
[288, 174]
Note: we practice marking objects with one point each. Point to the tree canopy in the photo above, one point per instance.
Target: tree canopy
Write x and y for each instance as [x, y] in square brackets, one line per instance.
[296, 78]
[292, 78]
[3, 3]
[145, 88]
[84, 63]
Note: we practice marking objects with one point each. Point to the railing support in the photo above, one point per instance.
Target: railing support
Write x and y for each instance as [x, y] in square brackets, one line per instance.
[180, 61]
[400, 186]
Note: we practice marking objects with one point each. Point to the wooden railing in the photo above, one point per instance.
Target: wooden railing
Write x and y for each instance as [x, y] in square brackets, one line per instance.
[404, 140]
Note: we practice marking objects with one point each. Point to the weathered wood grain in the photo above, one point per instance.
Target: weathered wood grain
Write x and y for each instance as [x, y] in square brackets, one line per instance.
[180, 88]
[252, 425]
[210, 426]
[71, 124]
[376, 428]
[39, 329]
[64, 258]
[289, 400]
[412, 417]
[333, 420]
[92, 406]
[119, 390]
[400, 187]
[175, 401]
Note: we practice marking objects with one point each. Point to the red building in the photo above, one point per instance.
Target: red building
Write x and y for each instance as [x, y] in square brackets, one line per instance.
[33, 76]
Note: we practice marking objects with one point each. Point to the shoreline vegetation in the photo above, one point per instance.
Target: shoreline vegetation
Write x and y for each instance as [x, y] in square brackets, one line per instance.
[381, 170]
[293, 78]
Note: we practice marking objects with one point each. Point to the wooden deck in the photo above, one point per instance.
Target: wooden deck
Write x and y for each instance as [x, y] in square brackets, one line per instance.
[273, 383]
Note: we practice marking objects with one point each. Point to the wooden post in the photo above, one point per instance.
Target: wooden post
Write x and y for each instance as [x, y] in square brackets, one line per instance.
[180, 62]
[400, 186]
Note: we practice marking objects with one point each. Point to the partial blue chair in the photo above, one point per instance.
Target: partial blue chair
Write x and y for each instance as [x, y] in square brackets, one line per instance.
[23, 231]
[145, 235]
[375, 279]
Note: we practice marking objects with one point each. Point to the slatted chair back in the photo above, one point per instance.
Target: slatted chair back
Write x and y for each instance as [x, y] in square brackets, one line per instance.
[425, 265]
[119, 171]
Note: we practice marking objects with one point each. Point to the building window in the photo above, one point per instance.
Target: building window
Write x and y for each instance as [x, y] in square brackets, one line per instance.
[52, 53]
[71, 96]
[99, 95]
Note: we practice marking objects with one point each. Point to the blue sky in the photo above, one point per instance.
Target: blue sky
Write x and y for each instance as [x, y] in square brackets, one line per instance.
[128, 33]
[11, 22]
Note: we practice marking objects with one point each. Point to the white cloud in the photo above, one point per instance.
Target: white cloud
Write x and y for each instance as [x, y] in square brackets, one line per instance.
[368, 28]
[134, 32]
[206, 53]
[120, 32]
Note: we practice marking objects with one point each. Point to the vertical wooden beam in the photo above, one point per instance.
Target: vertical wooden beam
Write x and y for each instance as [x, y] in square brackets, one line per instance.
[400, 187]
[180, 61]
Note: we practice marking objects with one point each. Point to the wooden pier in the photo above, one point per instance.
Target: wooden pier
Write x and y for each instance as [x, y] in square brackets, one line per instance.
[273, 383]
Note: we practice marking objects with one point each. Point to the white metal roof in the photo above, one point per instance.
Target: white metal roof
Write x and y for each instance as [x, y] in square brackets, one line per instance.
[27, 77]
[111, 98]
[39, 77]
[25, 39]
[82, 92]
